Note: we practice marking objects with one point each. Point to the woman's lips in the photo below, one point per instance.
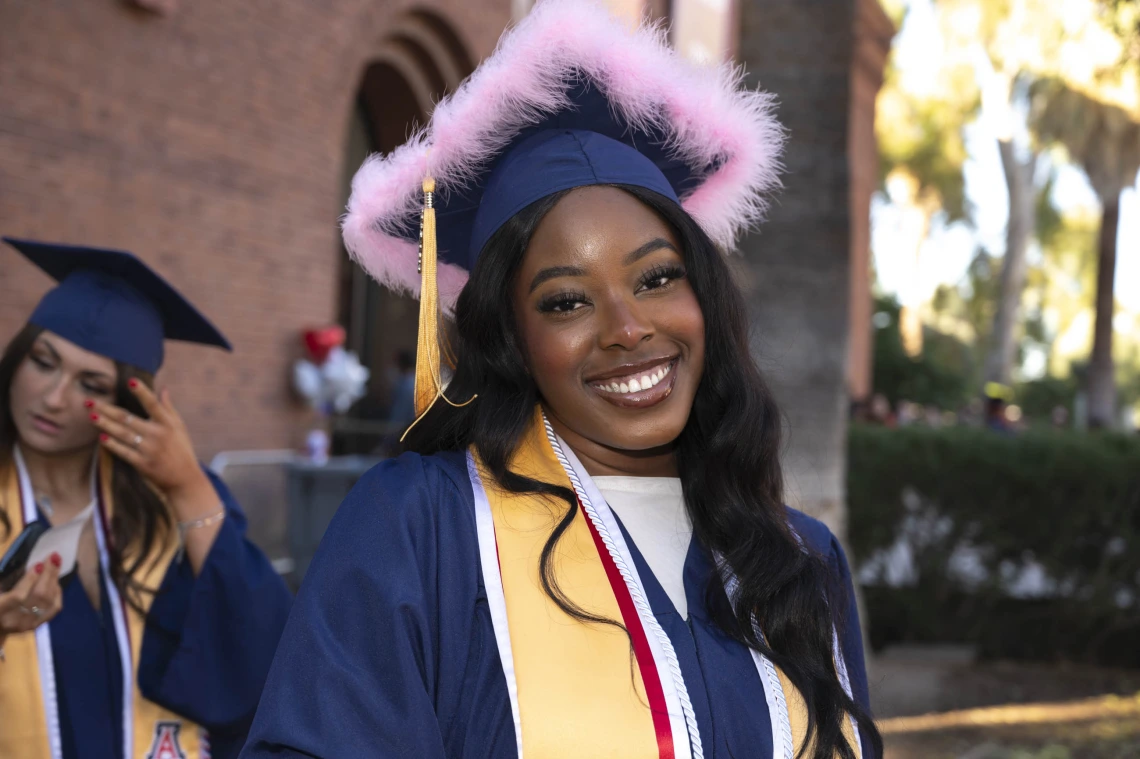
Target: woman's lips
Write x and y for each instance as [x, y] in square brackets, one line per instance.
[46, 426]
[646, 387]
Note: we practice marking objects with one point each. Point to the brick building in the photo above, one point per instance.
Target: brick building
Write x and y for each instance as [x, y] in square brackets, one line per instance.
[215, 139]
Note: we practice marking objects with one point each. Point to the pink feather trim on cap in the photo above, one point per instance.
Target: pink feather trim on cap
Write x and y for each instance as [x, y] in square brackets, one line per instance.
[707, 117]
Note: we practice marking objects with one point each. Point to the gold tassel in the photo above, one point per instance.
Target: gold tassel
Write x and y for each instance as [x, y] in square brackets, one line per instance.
[427, 344]
[429, 379]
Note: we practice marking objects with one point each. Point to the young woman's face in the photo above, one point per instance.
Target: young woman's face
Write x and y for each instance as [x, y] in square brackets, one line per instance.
[612, 332]
[48, 393]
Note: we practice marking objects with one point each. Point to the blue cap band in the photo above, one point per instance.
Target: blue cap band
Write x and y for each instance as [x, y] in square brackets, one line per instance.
[556, 160]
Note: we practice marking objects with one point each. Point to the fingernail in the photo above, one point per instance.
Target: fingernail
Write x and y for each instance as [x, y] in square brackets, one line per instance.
[39, 568]
[103, 438]
[89, 404]
[57, 560]
[132, 383]
[94, 417]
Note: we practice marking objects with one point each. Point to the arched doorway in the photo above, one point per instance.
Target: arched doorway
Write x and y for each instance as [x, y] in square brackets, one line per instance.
[420, 60]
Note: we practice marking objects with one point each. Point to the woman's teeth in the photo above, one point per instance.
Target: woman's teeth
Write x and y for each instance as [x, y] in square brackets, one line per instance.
[636, 384]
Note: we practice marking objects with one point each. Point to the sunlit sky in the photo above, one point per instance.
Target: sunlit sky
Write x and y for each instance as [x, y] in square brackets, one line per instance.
[947, 253]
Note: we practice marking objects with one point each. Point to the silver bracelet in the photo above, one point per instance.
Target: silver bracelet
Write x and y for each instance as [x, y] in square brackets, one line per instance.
[193, 524]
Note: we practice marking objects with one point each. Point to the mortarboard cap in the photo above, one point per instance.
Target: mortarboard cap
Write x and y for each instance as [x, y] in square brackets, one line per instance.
[111, 303]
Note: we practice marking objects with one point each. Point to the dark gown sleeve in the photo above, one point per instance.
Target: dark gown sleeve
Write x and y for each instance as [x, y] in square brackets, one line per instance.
[367, 650]
[851, 641]
[820, 539]
[850, 632]
[210, 639]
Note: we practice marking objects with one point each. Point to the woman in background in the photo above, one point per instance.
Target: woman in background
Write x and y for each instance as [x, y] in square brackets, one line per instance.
[158, 643]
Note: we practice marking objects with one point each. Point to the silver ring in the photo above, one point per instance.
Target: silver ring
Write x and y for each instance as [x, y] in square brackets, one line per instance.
[128, 420]
[137, 441]
[34, 610]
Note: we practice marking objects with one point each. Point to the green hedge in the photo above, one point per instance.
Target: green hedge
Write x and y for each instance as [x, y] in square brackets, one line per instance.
[1068, 504]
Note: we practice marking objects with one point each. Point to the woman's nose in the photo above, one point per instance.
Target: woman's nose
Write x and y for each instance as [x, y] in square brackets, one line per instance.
[624, 324]
[56, 396]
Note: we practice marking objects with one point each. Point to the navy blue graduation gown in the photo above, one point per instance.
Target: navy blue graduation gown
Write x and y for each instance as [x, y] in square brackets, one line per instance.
[390, 649]
[205, 654]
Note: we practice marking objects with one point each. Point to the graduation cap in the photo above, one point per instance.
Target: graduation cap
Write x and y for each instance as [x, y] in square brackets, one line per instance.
[111, 303]
[571, 97]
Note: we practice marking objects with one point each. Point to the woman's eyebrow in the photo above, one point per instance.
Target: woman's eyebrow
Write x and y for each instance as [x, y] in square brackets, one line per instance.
[555, 271]
[46, 345]
[656, 243]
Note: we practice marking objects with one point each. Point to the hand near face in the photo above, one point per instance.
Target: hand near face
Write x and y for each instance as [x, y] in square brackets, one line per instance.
[158, 447]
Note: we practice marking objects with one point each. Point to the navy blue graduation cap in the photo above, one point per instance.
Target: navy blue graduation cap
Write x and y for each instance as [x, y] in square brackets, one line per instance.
[111, 303]
[579, 147]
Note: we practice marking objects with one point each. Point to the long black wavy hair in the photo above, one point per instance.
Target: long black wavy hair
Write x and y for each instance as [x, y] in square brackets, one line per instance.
[140, 522]
[727, 456]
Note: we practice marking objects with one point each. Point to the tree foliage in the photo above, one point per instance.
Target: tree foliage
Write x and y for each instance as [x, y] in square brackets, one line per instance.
[1055, 77]
[921, 136]
[942, 375]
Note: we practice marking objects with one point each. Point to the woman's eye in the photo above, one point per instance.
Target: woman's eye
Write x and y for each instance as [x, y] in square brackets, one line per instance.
[42, 363]
[95, 390]
[560, 304]
[661, 277]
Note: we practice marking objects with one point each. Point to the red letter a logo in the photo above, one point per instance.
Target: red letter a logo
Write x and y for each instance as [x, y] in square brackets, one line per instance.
[165, 744]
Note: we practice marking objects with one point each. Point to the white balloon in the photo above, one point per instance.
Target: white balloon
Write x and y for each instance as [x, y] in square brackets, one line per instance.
[335, 385]
[307, 381]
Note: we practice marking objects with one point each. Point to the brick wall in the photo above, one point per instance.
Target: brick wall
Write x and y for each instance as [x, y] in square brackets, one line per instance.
[210, 142]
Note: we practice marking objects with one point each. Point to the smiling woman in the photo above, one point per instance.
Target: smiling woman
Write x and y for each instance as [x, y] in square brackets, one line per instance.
[584, 550]
[610, 328]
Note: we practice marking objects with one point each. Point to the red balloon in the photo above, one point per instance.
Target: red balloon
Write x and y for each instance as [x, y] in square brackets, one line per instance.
[320, 342]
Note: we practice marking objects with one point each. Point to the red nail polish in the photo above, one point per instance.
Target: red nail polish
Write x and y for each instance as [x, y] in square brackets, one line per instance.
[39, 568]
[132, 383]
[94, 417]
[57, 560]
[89, 404]
[103, 438]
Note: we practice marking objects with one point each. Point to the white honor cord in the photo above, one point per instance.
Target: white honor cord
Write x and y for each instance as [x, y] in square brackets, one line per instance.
[682, 718]
[783, 746]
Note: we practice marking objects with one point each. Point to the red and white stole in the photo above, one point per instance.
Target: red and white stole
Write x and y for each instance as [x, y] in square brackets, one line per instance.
[572, 689]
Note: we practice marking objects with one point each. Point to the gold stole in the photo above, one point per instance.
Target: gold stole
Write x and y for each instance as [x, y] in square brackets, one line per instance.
[579, 691]
[23, 728]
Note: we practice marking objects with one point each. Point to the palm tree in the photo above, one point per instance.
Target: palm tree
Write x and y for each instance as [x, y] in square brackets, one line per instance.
[795, 270]
[1104, 139]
